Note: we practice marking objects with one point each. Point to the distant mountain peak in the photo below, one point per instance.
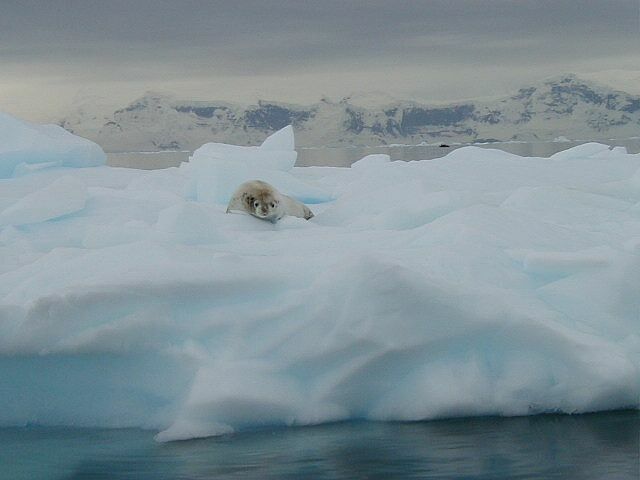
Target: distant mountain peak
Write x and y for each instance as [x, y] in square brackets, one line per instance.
[565, 105]
[564, 78]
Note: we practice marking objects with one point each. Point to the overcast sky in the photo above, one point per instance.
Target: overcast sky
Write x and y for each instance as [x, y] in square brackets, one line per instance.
[56, 54]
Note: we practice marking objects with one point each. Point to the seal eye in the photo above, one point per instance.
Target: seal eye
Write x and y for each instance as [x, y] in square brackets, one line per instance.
[256, 204]
[273, 205]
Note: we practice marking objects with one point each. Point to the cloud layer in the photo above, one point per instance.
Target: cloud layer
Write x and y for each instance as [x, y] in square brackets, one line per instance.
[58, 51]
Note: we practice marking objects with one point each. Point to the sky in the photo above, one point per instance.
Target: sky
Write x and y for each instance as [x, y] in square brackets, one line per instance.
[56, 55]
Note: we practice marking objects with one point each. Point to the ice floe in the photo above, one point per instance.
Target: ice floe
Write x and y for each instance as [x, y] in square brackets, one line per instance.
[481, 283]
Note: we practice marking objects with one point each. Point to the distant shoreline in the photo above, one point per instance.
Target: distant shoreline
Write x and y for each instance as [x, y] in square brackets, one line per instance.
[345, 156]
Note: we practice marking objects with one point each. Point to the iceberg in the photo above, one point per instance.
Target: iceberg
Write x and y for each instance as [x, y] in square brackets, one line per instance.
[26, 147]
[480, 283]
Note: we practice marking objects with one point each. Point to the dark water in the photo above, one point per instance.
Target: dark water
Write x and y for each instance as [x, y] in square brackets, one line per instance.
[596, 446]
[344, 157]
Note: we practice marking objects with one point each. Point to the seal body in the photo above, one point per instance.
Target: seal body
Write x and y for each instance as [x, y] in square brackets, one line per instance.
[262, 200]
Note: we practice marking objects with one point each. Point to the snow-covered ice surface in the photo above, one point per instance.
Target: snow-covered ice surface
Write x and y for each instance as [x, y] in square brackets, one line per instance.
[481, 283]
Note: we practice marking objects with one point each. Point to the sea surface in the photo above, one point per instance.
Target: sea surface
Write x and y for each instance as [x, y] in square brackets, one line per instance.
[581, 447]
[344, 157]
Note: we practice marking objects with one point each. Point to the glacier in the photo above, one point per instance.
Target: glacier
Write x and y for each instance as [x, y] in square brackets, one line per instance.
[481, 283]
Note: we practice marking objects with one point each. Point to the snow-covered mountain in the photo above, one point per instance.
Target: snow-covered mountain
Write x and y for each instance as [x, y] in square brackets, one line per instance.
[564, 106]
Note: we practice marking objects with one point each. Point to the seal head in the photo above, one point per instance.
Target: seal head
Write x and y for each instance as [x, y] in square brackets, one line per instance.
[263, 204]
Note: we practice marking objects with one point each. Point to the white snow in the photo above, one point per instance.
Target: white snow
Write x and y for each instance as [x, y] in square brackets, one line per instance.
[481, 283]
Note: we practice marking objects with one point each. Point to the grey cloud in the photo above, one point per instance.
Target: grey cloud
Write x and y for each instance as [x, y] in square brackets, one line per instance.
[351, 25]
[122, 40]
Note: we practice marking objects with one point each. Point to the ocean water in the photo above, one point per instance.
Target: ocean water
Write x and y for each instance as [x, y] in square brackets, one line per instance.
[344, 157]
[584, 447]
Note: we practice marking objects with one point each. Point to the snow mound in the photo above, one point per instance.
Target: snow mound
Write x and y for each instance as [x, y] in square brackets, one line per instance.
[481, 283]
[26, 147]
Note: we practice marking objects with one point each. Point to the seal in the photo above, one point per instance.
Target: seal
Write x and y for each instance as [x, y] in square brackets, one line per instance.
[263, 201]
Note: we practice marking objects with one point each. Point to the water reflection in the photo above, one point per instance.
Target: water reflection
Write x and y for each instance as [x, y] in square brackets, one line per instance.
[344, 157]
[583, 447]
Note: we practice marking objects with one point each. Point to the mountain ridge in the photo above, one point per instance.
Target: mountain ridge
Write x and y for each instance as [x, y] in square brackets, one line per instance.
[564, 106]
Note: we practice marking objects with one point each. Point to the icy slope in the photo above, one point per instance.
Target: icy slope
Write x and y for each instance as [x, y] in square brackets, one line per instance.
[479, 283]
